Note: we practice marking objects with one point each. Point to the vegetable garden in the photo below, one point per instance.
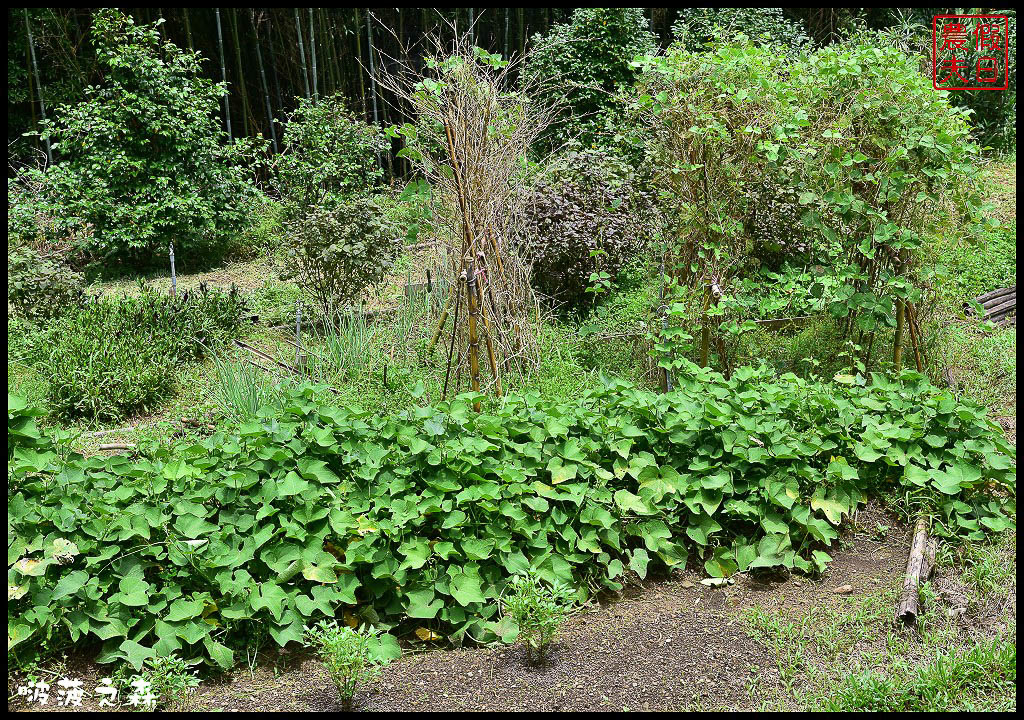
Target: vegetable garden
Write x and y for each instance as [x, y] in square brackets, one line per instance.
[610, 309]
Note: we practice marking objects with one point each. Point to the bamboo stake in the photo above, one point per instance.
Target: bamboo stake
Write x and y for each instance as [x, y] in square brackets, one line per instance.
[473, 311]
[487, 335]
[452, 294]
[455, 331]
[897, 344]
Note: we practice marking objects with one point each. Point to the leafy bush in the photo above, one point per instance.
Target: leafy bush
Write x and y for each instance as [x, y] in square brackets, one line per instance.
[110, 357]
[169, 681]
[580, 65]
[142, 158]
[40, 287]
[538, 611]
[583, 218]
[334, 253]
[351, 657]
[327, 152]
[697, 28]
[310, 511]
[863, 185]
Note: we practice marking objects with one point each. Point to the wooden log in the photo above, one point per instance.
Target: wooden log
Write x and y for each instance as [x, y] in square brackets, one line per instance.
[117, 446]
[1001, 309]
[992, 299]
[101, 433]
[995, 293]
[999, 299]
[919, 566]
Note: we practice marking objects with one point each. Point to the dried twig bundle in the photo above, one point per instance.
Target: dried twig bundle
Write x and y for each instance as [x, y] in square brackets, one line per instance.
[470, 139]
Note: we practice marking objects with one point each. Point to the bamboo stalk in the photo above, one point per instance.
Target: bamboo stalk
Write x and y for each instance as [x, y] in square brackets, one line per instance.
[263, 83]
[919, 564]
[224, 76]
[302, 53]
[473, 312]
[897, 344]
[312, 54]
[487, 337]
[455, 331]
[39, 84]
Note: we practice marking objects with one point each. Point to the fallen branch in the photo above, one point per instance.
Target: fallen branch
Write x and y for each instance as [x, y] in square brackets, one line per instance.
[117, 446]
[101, 433]
[919, 567]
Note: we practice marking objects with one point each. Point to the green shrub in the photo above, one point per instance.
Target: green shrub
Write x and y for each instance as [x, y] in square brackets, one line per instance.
[537, 611]
[348, 655]
[164, 683]
[335, 253]
[697, 28]
[110, 357]
[40, 287]
[264, 230]
[423, 516]
[142, 159]
[328, 152]
[582, 219]
[580, 65]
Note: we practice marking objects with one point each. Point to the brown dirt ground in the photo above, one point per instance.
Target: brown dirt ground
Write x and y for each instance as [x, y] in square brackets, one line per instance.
[670, 644]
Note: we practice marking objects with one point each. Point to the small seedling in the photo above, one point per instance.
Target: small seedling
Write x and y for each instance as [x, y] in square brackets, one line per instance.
[163, 683]
[538, 611]
[347, 655]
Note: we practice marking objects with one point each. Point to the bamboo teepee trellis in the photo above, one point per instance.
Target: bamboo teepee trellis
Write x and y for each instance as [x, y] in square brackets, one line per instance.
[470, 138]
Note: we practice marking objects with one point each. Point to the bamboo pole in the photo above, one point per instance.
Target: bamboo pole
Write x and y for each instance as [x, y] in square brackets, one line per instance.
[487, 332]
[473, 313]
[897, 344]
[224, 76]
[302, 53]
[452, 294]
[919, 565]
[39, 84]
[455, 331]
[263, 83]
[312, 54]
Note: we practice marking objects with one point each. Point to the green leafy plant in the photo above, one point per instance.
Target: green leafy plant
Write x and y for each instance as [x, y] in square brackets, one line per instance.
[349, 655]
[538, 611]
[109, 357]
[580, 65]
[242, 389]
[40, 287]
[168, 681]
[583, 223]
[312, 512]
[142, 160]
[697, 28]
[335, 253]
[328, 153]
